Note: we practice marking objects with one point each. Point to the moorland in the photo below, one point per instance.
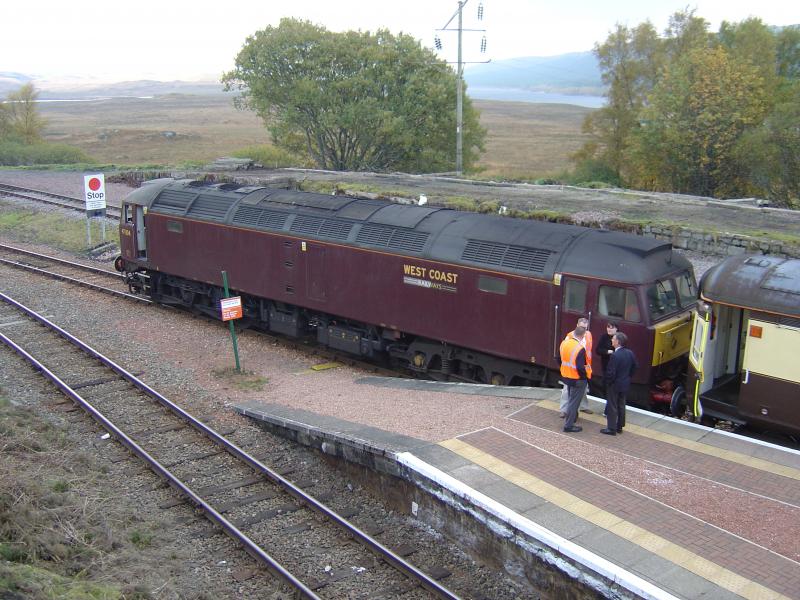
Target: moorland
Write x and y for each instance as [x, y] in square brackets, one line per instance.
[524, 139]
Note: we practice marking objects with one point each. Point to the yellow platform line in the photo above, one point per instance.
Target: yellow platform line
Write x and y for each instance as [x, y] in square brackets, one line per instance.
[729, 455]
[656, 544]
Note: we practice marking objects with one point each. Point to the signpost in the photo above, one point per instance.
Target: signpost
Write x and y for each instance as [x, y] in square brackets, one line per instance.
[231, 308]
[94, 193]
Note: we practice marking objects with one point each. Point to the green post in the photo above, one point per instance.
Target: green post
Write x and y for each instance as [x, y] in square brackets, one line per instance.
[233, 329]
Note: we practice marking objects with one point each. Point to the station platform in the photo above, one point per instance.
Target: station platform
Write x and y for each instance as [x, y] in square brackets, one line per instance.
[667, 509]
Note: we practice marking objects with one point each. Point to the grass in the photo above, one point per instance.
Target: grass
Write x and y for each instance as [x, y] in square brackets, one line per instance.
[64, 532]
[525, 141]
[139, 131]
[36, 583]
[52, 228]
[245, 381]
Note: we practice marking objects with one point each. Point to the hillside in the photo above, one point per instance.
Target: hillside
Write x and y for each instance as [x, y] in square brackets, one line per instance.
[574, 73]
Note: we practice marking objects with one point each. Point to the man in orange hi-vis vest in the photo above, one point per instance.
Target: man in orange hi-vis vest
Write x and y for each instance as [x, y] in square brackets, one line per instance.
[575, 373]
[587, 343]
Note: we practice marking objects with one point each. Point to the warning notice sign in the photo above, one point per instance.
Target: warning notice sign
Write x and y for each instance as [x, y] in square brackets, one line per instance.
[231, 308]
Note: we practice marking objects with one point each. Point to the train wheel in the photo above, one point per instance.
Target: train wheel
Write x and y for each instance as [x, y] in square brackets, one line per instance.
[498, 379]
[677, 406]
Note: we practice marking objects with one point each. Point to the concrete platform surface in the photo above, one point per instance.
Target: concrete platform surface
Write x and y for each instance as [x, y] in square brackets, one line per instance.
[666, 509]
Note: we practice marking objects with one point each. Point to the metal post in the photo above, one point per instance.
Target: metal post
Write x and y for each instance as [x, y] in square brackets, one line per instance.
[88, 232]
[230, 323]
[459, 97]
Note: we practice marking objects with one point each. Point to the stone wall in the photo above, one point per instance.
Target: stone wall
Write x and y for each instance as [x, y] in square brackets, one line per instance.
[720, 244]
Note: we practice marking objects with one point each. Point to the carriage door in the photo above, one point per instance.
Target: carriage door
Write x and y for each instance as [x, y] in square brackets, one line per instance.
[315, 273]
[574, 305]
[127, 233]
[141, 232]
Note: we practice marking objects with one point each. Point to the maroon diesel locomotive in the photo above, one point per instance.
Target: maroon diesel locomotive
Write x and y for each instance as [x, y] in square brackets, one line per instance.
[451, 294]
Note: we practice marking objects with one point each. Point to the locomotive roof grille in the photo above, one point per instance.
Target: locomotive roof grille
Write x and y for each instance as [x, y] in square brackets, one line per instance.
[337, 230]
[533, 260]
[392, 237]
[251, 216]
[173, 201]
[212, 208]
[307, 225]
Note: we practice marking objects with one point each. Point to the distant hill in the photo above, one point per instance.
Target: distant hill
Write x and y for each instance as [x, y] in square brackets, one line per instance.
[139, 88]
[573, 73]
[76, 89]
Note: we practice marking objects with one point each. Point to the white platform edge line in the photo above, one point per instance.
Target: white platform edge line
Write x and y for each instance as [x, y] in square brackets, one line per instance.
[596, 563]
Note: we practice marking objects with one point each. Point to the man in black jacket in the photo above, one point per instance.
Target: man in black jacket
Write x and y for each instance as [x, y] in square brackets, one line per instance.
[621, 367]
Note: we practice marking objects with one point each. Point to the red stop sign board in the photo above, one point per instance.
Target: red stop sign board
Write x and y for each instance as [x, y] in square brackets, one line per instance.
[231, 308]
[94, 192]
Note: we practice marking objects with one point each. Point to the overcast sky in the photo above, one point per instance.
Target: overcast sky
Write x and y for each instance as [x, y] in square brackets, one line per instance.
[115, 40]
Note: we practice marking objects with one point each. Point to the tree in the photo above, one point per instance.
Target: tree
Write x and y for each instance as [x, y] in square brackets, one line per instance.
[354, 100]
[698, 111]
[770, 154]
[20, 116]
[629, 63]
[788, 52]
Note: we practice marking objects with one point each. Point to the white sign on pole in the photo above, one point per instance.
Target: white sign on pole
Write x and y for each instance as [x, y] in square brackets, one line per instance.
[94, 192]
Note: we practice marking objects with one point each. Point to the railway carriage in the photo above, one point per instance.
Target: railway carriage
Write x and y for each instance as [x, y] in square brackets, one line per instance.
[744, 353]
[451, 294]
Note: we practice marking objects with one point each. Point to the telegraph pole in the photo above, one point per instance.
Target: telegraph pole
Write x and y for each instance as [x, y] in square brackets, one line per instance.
[460, 77]
[460, 96]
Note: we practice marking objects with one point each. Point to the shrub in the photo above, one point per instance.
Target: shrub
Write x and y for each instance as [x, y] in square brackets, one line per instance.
[595, 171]
[14, 153]
[272, 157]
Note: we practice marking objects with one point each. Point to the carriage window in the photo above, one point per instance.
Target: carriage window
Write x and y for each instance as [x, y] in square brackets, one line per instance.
[493, 285]
[618, 303]
[661, 298]
[175, 226]
[687, 288]
[575, 296]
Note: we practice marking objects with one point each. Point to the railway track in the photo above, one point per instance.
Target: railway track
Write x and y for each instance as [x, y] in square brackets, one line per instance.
[41, 196]
[266, 513]
[75, 273]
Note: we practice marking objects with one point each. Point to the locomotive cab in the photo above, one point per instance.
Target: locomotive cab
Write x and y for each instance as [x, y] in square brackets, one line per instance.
[656, 318]
[132, 233]
[746, 329]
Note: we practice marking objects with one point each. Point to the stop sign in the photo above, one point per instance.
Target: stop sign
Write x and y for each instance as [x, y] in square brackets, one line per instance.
[94, 192]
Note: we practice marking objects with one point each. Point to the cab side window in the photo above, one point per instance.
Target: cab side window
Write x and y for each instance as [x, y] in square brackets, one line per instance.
[618, 303]
[575, 296]
[127, 213]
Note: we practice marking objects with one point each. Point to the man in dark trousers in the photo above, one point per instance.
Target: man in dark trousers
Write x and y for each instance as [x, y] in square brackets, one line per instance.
[575, 373]
[621, 367]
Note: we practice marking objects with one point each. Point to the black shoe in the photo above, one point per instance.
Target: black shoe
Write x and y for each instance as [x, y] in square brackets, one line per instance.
[619, 430]
[608, 431]
[573, 429]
